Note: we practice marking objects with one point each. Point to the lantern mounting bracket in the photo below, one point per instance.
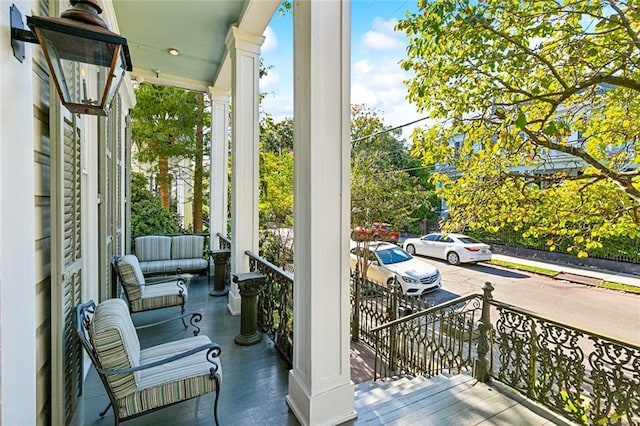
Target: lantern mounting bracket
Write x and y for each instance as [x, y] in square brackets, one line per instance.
[18, 34]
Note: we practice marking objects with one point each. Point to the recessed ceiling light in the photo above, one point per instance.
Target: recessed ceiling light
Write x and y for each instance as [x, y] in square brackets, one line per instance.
[173, 52]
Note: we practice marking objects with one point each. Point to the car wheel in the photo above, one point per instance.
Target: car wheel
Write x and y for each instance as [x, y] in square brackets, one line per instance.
[376, 237]
[411, 249]
[453, 258]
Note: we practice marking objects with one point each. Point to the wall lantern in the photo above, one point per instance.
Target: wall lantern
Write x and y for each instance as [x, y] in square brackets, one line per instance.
[74, 44]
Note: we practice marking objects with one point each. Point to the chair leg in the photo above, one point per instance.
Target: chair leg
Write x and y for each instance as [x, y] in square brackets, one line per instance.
[215, 402]
[182, 313]
[102, 413]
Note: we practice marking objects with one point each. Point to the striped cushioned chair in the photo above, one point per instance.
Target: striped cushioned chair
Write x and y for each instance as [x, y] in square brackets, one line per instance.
[144, 295]
[140, 381]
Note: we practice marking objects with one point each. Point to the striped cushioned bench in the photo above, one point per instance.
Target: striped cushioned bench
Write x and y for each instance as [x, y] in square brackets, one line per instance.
[160, 254]
[141, 381]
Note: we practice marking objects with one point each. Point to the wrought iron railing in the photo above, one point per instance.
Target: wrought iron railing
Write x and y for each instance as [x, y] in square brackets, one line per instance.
[429, 342]
[225, 243]
[275, 304]
[374, 304]
[584, 376]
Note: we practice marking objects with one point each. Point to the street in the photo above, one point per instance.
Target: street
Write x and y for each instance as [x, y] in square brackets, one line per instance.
[611, 313]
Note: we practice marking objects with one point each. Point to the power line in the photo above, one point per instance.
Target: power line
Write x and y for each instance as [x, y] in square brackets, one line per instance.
[389, 130]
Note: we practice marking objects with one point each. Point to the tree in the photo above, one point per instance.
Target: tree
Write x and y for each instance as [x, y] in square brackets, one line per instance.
[521, 80]
[387, 184]
[168, 123]
[147, 214]
[383, 188]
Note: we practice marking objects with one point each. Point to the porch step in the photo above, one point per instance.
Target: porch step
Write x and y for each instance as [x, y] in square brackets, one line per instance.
[384, 390]
[386, 398]
[442, 400]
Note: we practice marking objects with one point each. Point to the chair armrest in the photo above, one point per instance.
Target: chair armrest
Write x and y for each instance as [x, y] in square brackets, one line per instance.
[213, 351]
[194, 317]
[180, 284]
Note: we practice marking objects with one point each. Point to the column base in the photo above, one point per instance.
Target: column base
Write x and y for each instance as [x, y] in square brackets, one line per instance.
[234, 305]
[248, 340]
[222, 292]
[332, 407]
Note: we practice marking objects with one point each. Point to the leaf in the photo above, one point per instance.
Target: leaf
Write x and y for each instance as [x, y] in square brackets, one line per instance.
[521, 121]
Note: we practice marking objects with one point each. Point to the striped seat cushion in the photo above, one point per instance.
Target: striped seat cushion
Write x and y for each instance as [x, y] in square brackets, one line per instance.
[187, 247]
[172, 382]
[153, 247]
[116, 344]
[132, 277]
[159, 296]
[159, 266]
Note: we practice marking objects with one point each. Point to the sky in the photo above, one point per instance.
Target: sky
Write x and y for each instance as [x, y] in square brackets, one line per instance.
[376, 50]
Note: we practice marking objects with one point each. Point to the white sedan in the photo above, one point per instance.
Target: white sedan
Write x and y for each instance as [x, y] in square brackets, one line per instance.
[454, 248]
[388, 262]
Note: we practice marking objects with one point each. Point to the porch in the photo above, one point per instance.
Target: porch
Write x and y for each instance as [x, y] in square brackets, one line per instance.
[255, 384]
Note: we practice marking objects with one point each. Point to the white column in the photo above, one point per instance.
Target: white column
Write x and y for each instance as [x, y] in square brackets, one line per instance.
[20, 317]
[320, 389]
[244, 49]
[219, 178]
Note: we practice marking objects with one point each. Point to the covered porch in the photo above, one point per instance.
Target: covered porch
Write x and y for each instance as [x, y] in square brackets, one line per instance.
[255, 384]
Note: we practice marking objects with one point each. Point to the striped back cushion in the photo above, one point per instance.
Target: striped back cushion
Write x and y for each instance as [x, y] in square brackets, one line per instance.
[153, 247]
[187, 247]
[130, 272]
[116, 344]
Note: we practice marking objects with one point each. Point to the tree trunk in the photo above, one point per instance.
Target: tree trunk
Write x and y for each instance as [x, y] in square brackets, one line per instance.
[197, 172]
[164, 182]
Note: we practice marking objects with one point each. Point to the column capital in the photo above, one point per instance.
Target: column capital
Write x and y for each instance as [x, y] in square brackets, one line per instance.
[238, 39]
[219, 95]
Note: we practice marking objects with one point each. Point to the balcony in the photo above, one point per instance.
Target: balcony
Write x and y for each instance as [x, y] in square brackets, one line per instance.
[437, 386]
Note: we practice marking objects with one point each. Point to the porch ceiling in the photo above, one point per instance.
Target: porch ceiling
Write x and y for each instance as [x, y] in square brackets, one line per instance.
[196, 28]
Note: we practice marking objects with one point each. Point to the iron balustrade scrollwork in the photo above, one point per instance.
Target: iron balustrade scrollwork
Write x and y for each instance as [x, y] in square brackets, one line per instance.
[374, 304]
[225, 243]
[275, 304]
[429, 342]
[584, 376]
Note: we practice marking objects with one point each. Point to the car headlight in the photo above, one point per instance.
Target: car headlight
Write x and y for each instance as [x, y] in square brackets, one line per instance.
[410, 280]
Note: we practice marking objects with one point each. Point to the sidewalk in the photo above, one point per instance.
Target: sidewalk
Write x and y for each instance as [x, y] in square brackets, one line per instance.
[620, 278]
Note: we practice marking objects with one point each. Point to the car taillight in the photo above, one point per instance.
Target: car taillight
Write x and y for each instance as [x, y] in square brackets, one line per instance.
[473, 249]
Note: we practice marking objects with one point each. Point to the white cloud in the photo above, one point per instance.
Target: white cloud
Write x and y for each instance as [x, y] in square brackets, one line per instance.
[383, 37]
[270, 40]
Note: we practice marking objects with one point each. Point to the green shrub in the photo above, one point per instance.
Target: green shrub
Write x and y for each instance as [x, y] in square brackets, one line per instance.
[148, 217]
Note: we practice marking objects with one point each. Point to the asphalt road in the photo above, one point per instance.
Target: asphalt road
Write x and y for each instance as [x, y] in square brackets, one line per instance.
[612, 313]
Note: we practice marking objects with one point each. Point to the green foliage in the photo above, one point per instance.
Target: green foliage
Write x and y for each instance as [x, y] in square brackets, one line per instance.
[147, 214]
[276, 137]
[619, 286]
[276, 188]
[528, 268]
[522, 81]
[387, 184]
[164, 122]
[276, 246]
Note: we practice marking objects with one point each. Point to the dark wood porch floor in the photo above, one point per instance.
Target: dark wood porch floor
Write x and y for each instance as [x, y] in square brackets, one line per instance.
[255, 378]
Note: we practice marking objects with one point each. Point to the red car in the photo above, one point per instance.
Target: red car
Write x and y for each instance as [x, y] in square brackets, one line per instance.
[379, 231]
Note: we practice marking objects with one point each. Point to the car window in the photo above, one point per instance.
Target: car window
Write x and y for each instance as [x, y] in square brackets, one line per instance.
[393, 255]
[431, 237]
[359, 251]
[445, 239]
[469, 240]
